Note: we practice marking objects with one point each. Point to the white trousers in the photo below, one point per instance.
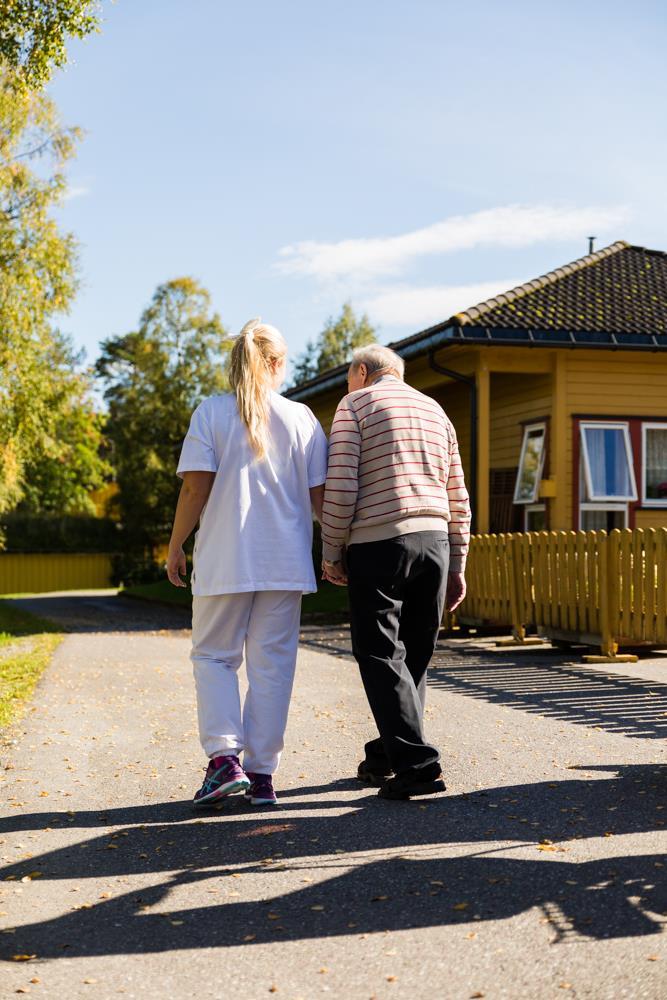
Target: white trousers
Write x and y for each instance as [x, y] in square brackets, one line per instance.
[266, 623]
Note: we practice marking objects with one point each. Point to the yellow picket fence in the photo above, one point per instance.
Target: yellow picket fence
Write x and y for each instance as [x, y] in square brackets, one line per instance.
[586, 586]
[36, 573]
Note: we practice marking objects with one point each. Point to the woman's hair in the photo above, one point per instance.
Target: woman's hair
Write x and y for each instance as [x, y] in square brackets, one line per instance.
[378, 359]
[251, 375]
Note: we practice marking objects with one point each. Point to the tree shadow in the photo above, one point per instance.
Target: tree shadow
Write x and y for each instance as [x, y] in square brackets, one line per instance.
[397, 879]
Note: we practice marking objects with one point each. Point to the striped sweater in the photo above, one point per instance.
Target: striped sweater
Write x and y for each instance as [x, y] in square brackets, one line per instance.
[394, 467]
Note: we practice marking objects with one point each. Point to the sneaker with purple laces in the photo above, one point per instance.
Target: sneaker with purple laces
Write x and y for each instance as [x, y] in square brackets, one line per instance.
[261, 791]
[224, 776]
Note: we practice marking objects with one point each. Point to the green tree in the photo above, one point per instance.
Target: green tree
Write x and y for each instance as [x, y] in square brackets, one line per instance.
[68, 464]
[154, 378]
[334, 345]
[33, 35]
[37, 283]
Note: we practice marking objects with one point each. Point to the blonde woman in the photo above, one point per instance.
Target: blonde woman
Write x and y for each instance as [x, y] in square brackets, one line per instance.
[253, 465]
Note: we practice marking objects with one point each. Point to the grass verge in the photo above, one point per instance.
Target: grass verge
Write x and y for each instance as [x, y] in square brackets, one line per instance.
[328, 600]
[26, 646]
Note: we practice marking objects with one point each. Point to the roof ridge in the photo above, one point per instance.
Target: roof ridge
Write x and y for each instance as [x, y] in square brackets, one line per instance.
[474, 313]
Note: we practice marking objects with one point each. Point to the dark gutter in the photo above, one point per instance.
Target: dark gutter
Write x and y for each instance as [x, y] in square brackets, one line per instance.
[445, 334]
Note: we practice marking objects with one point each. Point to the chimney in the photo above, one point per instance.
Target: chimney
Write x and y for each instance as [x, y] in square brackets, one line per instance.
[591, 241]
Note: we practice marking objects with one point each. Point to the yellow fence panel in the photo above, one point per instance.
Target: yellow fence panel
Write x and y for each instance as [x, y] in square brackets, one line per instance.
[607, 590]
[36, 573]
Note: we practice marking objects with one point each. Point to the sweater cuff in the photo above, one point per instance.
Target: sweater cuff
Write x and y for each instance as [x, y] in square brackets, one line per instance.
[457, 563]
[332, 553]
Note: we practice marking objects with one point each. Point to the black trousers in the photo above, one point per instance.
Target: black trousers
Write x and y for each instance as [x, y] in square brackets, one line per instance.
[397, 595]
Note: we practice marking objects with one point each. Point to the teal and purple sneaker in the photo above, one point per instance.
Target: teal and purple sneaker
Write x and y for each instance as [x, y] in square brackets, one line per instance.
[224, 776]
[261, 791]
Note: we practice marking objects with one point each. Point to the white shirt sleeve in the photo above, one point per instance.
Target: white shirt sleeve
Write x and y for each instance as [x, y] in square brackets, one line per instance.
[317, 451]
[198, 453]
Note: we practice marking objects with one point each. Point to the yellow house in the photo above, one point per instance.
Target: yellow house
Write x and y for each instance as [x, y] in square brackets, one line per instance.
[558, 392]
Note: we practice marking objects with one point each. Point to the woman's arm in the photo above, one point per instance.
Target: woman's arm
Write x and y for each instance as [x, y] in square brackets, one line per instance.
[194, 494]
[316, 500]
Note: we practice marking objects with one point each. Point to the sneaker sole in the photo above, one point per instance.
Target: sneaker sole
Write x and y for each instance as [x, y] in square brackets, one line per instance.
[423, 788]
[261, 802]
[222, 792]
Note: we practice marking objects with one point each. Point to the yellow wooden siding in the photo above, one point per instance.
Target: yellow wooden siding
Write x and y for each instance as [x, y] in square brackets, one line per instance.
[324, 406]
[515, 399]
[651, 518]
[618, 384]
[454, 398]
[38, 573]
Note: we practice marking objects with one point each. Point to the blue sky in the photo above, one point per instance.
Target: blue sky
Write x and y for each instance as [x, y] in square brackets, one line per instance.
[412, 156]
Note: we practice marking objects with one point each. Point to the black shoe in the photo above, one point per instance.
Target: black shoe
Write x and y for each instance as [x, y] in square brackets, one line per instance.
[404, 787]
[372, 776]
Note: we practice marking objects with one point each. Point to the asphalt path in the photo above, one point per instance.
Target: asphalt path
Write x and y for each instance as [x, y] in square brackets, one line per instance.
[541, 873]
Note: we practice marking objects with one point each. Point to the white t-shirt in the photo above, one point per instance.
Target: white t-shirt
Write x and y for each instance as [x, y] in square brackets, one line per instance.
[256, 530]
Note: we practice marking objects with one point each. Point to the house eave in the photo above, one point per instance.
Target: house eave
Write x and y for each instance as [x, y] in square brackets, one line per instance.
[447, 334]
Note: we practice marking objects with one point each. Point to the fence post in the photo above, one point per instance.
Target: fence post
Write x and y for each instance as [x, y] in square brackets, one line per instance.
[609, 580]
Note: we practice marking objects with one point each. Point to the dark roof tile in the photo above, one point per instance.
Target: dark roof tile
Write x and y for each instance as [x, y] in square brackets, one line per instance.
[620, 289]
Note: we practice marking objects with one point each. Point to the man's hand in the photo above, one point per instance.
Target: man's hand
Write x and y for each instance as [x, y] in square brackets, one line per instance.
[456, 591]
[334, 572]
[175, 565]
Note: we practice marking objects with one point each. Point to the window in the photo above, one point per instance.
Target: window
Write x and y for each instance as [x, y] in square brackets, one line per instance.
[535, 517]
[607, 462]
[593, 517]
[530, 464]
[654, 465]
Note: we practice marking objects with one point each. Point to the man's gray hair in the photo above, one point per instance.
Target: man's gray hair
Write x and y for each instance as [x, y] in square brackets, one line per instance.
[378, 359]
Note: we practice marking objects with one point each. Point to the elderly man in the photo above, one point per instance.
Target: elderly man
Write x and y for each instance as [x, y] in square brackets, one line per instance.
[396, 529]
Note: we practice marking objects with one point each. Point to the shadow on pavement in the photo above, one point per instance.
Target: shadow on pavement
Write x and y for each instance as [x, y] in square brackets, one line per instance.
[397, 880]
[544, 681]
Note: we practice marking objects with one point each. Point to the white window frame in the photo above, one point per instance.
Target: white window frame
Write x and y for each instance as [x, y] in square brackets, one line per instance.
[608, 502]
[623, 507]
[650, 426]
[541, 425]
[530, 508]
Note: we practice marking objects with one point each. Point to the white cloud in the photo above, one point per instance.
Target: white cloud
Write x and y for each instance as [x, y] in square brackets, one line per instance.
[421, 307]
[505, 226]
[76, 191]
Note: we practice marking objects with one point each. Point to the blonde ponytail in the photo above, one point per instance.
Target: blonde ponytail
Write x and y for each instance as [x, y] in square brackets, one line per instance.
[250, 375]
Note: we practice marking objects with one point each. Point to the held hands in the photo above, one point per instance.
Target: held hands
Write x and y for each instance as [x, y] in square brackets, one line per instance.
[334, 572]
[456, 591]
[175, 565]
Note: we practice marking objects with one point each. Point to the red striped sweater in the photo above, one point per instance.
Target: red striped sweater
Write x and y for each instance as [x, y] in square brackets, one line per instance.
[394, 467]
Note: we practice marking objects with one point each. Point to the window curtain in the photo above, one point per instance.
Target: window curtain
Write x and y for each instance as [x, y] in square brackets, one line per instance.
[608, 462]
[656, 463]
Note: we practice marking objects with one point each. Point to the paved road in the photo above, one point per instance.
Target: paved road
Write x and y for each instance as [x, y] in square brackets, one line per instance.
[540, 874]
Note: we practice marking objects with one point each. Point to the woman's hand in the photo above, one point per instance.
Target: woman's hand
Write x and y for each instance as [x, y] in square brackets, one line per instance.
[175, 565]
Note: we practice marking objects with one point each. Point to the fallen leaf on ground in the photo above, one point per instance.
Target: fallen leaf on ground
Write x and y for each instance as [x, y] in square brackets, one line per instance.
[460, 906]
[22, 958]
[250, 937]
